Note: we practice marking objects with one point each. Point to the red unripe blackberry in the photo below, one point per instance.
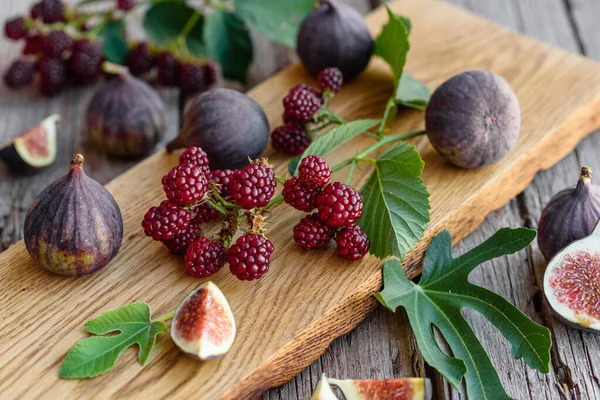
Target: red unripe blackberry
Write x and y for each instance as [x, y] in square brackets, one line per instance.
[180, 243]
[19, 74]
[253, 186]
[314, 171]
[56, 43]
[125, 5]
[300, 196]
[34, 45]
[196, 156]
[301, 103]
[165, 222]
[205, 257]
[15, 28]
[290, 139]
[250, 256]
[339, 205]
[352, 243]
[168, 69]
[52, 11]
[36, 10]
[140, 59]
[223, 178]
[312, 233]
[185, 184]
[211, 74]
[330, 80]
[53, 75]
[191, 79]
[205, 213]
[85, 60]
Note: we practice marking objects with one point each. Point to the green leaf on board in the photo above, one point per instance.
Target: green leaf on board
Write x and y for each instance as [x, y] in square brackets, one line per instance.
[392, 44]
[96, 355]
[438, 299]
[412, 93]
[333, 139]
[228, 42]
[85, 2]
[277, 20]
[114, 45]
[396, 202]
[164, 21]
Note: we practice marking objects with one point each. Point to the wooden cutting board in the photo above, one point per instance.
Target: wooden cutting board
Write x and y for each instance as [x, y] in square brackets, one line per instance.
[289, 317]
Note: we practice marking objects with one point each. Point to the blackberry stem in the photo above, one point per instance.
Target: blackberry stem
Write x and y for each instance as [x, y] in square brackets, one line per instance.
[274, 202]
[216, 207]
[388, 107]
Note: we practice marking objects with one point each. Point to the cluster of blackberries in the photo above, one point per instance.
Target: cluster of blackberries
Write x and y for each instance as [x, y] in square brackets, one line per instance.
[191, 77]
[300, 106]
[176, 222]
[338, 209]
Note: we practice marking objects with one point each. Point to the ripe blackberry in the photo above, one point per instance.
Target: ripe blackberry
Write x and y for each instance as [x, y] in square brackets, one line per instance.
[185, 184]
[34, 45]
[300, 196]
[180, 243]
[52, 11]
[15, 28]
[330, 80]
[125, 5]
[301, 103]
[140, 60]
[168, 69]
[314, 171]
[211, 74]
[352, 243]
[56, 43]
[85, 60]
[191, 78]
[36, 10]
[223, 178]
[253, 186]
[205, 257]
[196, 156]
[53, 75]
[165, 222]
[312, 233]
[250, 256]
[20, 73]
[205, 213]
[339, 205]
[290, 139]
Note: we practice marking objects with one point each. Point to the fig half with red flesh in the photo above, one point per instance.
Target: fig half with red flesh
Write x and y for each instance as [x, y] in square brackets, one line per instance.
[572, 283]
[397, 389]
[34, 149]
[203, 326]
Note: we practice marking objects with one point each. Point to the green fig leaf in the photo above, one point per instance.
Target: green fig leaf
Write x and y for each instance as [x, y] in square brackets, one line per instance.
[438, 299]
[97, 355]
[412, 93]
[114, 45]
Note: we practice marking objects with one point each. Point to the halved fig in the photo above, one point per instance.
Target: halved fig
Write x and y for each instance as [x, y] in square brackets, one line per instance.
[323, 391]
[203, 325]
[34, 149]
[572, 283]
[397, 389]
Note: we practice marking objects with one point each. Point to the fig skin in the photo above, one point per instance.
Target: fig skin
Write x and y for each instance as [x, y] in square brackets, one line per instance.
[473, 119]
[125, 118]
[570, 215]
[334, 34]
[74, 227]
[228, 125]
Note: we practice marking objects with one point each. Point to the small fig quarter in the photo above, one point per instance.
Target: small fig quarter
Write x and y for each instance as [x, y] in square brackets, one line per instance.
[74, 227]
[570, 215]
[572, 282]
[203, 325]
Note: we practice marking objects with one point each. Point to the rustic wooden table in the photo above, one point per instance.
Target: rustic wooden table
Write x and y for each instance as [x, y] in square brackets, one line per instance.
[383, 346]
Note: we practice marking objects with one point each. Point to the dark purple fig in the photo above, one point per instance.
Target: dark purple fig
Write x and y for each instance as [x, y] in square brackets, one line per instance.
[74, 227]
[126, 117]
[572, 283]
[570, 215]
[473, 119]
[228, 125]
[334, 35]
[34, 149]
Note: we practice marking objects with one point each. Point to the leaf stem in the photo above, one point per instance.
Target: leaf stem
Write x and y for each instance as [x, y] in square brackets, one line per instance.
[189, 25]
[390, 104]
[351, 172]
[274, 202]
[166, 317]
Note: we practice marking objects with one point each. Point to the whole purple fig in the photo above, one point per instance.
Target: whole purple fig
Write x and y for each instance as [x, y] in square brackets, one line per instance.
[473, 119]
[334, 35]
[570, 215]
[74, 227]
[126, 117]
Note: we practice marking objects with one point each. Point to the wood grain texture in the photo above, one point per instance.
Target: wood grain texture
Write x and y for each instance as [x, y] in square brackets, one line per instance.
[275, 342]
